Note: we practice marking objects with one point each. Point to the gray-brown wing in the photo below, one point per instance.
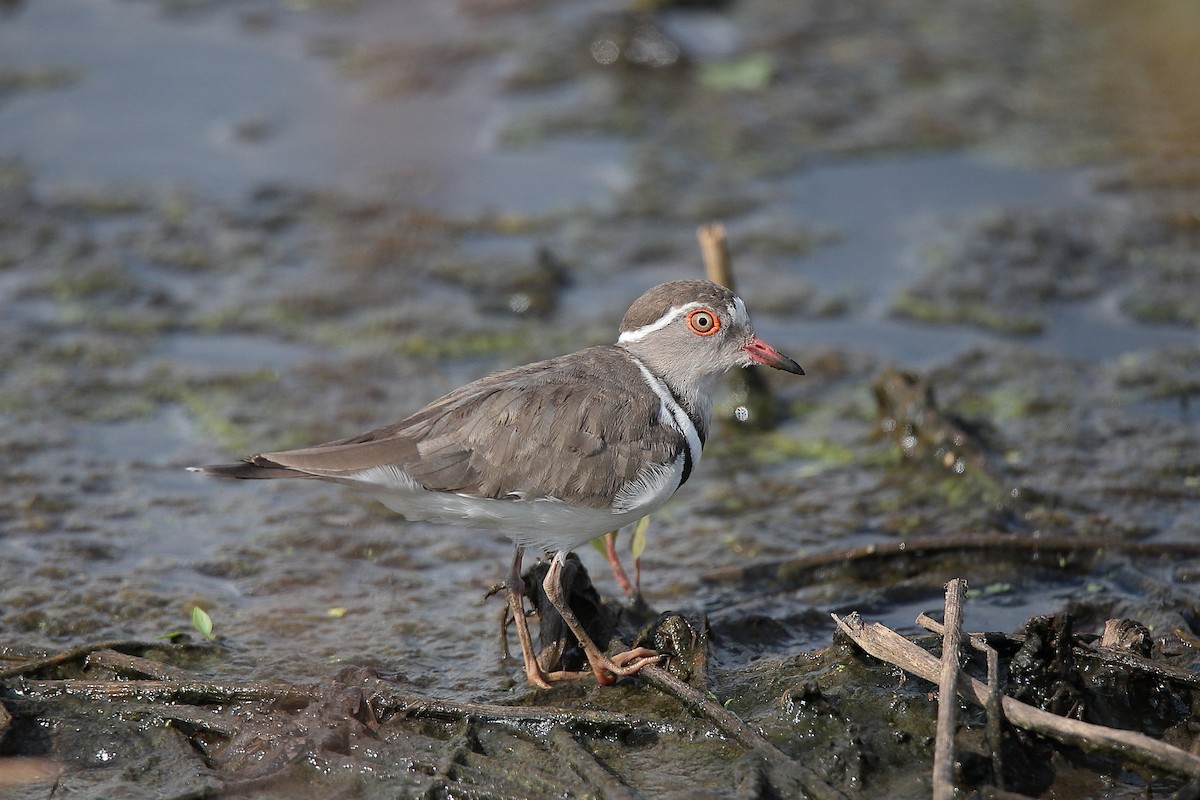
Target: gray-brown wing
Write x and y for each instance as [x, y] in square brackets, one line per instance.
[579, 426]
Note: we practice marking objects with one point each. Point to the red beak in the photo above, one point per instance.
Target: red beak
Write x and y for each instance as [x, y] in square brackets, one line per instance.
[763, 353]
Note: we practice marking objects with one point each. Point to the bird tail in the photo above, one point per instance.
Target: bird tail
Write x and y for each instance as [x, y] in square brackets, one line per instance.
[253, 468]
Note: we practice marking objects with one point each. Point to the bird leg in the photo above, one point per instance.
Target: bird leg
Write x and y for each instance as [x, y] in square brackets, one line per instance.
[606, 669]
[610, 550]
[516, 605]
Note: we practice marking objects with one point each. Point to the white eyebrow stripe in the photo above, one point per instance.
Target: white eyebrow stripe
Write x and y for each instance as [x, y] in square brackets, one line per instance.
[666, 319]
[737, 312]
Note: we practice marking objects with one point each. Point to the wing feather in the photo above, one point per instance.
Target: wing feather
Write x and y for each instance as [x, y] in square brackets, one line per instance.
[577, 426]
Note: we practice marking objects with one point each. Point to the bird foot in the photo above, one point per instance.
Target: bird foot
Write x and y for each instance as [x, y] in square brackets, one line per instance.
[606, 669]
[624, 664]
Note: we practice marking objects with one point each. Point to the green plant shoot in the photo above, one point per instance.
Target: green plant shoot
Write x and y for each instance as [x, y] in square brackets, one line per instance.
[203, 623]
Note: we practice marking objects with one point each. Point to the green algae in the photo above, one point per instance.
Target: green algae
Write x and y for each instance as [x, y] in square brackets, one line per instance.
[983, 315]
[788, 446]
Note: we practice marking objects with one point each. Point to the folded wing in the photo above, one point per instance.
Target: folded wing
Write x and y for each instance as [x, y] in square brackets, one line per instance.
[588, 430]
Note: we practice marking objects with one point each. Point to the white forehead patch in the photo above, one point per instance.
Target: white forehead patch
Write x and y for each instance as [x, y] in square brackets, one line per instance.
[666, 319]
[737, 312]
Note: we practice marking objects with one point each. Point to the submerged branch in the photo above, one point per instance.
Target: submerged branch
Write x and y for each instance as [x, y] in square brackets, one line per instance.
[790, 571]
[28, 665]
[385, 701]
[192, 692]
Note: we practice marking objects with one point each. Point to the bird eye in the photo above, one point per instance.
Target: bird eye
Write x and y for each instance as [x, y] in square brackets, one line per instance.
[702, 322]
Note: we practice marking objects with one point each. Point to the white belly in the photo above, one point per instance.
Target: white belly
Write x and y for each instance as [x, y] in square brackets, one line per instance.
[546, 522]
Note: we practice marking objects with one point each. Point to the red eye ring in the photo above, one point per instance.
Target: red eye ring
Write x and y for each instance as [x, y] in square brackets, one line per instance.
[703, 322]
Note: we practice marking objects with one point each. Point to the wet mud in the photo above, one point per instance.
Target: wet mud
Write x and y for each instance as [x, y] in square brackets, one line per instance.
[976, 228]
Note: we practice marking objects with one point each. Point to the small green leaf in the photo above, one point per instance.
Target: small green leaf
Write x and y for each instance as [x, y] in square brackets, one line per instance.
[202, 622]
[598, 543]
[637, 543]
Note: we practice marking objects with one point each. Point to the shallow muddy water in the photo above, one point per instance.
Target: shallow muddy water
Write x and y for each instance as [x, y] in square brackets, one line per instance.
[227, 228]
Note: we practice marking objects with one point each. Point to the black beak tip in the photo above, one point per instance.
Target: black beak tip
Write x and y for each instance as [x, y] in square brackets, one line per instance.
[791, 366]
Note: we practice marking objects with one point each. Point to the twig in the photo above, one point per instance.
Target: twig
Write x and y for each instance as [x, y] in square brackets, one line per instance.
[715, 252]
[125, 664]
[947, 722]
[995, 713]
[782, 769]
[703, 706]
[383, 700]
[508, 715]
[887, 645]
